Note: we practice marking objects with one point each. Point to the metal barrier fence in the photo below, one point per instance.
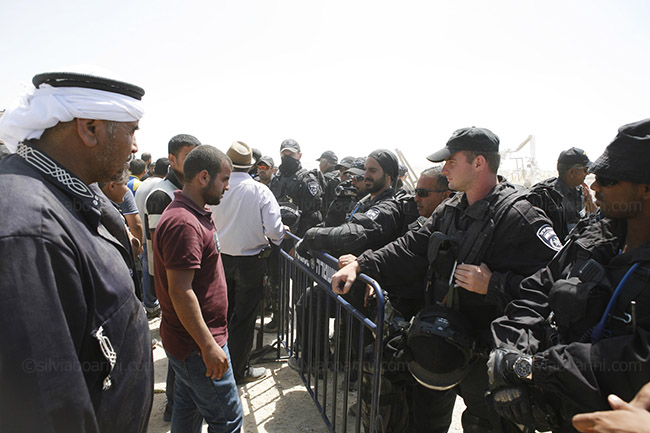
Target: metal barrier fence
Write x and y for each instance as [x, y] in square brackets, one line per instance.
[308, 312]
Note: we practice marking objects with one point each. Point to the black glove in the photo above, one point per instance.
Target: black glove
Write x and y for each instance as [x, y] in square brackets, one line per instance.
[512, 403]
[303, 249]
[500, 366]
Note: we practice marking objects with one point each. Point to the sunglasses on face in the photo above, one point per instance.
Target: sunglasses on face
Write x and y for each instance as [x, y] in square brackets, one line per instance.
[263, 166]
[424, 192]
[606, 181]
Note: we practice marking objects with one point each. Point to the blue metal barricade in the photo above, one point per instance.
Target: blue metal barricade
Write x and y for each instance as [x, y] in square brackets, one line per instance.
[309, 311]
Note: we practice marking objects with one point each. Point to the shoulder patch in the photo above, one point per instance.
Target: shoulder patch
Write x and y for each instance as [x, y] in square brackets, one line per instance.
[372, 213]
[547, 235]
[313, 188]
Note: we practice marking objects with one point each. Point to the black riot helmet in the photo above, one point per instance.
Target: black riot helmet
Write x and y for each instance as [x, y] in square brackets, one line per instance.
[290, 215]
[441, 343]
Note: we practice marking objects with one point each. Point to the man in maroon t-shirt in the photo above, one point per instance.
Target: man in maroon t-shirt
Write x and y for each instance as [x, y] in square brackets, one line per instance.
[193, 298]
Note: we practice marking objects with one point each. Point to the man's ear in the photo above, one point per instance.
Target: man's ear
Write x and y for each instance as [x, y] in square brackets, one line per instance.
[645, 191]
[480, 163]
[87, 129]
[204, 177]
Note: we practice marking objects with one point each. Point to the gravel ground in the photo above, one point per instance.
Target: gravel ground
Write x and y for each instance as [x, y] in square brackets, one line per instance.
[278, 403]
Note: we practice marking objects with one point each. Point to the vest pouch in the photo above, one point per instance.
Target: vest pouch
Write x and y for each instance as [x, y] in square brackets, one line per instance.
[568, 300]
[441, 253]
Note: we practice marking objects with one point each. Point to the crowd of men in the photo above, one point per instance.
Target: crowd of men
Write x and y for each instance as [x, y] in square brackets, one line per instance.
[530, 304]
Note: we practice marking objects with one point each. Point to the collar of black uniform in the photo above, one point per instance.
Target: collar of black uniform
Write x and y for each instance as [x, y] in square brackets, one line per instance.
[58, 175]
[73, 79]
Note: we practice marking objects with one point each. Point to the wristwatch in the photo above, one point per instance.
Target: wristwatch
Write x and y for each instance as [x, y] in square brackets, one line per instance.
[523, 367]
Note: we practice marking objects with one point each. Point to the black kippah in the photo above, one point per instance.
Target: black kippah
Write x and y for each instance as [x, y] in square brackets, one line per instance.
[73, 79]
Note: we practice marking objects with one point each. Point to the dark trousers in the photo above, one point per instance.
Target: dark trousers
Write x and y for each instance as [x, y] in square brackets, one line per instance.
[245, 280]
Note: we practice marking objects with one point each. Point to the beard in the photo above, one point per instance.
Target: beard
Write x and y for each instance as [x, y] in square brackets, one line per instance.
[210, 195]
[375, 186]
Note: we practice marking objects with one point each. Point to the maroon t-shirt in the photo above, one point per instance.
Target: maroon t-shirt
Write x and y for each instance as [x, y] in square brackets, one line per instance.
[185, 238]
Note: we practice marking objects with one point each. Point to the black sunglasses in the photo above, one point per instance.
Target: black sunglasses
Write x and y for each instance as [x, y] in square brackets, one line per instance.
[606, 181]
[424, 192]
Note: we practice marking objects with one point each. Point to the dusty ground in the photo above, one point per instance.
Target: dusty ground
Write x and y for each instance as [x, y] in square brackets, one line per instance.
[279, 403]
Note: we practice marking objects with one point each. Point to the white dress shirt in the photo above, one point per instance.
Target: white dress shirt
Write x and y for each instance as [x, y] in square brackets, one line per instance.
[247, 215]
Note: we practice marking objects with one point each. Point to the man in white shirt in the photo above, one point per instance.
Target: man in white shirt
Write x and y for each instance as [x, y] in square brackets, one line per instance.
[246, 220]
[145, 188]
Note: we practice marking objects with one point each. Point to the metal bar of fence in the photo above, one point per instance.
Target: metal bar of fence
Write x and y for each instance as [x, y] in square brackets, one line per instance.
[306, 296]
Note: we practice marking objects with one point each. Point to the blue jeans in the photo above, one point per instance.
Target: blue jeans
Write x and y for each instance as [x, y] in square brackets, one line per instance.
[198, 397]
[150, 301]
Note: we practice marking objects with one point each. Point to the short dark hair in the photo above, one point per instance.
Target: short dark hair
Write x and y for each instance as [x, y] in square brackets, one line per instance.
[442, 184]
[204, 157]
[145, 157]
[493, 159]
[162, 167]
[137, 166]
[180, 141]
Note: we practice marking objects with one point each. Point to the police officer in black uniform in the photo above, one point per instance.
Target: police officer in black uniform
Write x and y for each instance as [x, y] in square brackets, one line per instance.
[348, 193]
[327, 165]
[562, 198]
[299, 186]
[478, 246]
[581, 329]
[374, 221]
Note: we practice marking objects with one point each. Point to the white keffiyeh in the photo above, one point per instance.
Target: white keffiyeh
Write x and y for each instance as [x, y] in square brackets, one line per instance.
[46, 106]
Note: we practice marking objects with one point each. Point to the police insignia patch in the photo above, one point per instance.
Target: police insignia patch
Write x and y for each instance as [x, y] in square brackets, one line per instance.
[313, 188]
[372, 213]
[547, 235]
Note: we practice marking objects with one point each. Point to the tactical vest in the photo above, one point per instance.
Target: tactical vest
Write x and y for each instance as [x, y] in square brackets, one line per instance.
[450, 246]
[579, 301]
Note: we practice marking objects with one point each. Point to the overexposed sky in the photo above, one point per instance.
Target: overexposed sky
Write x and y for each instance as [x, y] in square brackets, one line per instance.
[352, 76]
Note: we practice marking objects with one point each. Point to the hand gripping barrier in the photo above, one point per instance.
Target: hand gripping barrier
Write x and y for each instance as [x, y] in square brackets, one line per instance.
[330, 367]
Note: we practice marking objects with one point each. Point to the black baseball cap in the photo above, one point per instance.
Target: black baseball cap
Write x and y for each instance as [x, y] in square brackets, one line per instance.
[329, 156]
[266, 160]
[345, 162]
[472, 138]
[573, 156]
[290, 144]
[627, 157]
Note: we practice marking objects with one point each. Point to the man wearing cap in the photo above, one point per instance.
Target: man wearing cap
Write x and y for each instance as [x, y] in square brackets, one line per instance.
[76, 343]
[477, 246]
[347, 194]
[345, 164]
[246, 220]
[265, 170]
[581, 329]
[327, 166]
[565, 199]
[303, 188]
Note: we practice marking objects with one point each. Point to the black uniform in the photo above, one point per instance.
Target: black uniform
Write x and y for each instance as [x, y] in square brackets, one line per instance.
[76, 346]
[564, 206]
[521, 243]
[574, 373]
[332, 180]
[305, 190]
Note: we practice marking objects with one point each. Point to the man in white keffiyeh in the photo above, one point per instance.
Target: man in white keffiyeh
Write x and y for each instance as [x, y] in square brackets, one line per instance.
[80, 357]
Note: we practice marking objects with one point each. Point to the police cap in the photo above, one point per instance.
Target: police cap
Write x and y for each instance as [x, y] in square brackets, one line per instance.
[573, 156]
[472, 138]
[329, 156]
[627, 157]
